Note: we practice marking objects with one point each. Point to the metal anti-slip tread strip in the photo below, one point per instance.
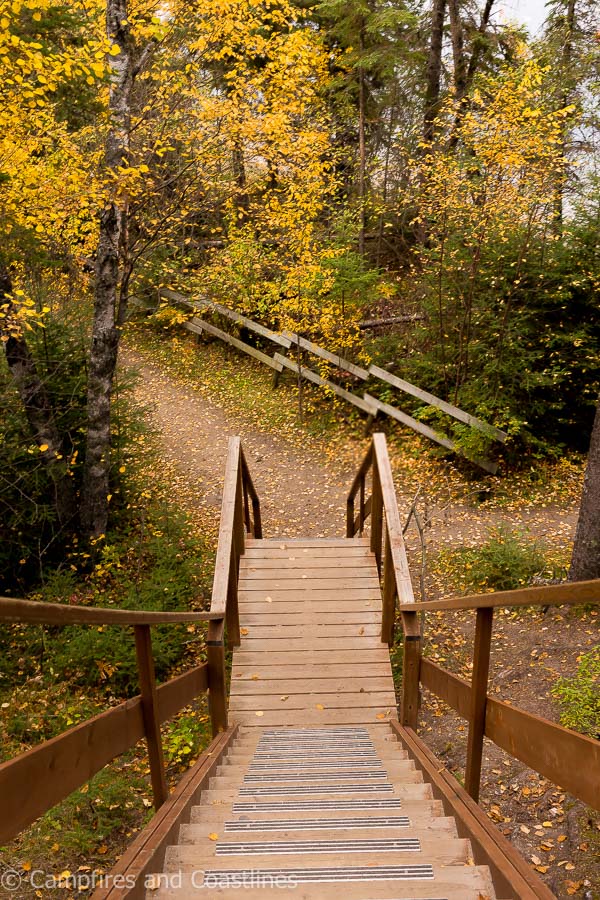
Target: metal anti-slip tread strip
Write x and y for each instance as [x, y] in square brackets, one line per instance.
[340, 729]
[319, 824]
[318, 805]
[383, 787]
[259, 848]
[309, 776]
[315, 755]
[261, 877]
[317, 742]
[329, 766]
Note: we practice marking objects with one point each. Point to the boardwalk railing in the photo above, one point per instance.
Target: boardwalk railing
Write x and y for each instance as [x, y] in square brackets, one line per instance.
[240, 514]
[59, 766]
[387, 544]
[565, 757]
[35, 781]
[368, 404]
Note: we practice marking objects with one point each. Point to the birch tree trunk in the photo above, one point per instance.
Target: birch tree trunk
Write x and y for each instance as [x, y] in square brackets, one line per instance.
[585, 562]
[106, 327]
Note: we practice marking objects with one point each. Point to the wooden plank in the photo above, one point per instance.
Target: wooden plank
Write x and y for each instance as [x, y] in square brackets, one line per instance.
[317, 596]
[220, 587]
[351, 716]
[285, 542]
[281, 687]
[205, 303]
[432, 400]
[284, 632]
[146, 855]
[360, 700]
[572, 593]
[274, 645]
[512, 876]
[321, 670]
[199, 325]
[479, 686]
[363, 405]
[342, 608]
[316, 657]
[321, 617]
[454, 691]
[564, 757]
[405, 419]
[181, 691]
[249, 567]
[256, 554]
[310, 584]
[34, 612]
[286, 569]
[59, 766]
[338, 361]
[145, 665]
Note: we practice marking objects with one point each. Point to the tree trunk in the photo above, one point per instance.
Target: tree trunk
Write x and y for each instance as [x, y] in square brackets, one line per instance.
[585, 562]
[566, 63]
[105, 329]
[434, 69]
[458, 50]
[362, 151]
[39, 413]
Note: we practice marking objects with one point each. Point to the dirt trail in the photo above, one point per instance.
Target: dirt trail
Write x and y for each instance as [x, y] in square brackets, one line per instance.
[300, 493]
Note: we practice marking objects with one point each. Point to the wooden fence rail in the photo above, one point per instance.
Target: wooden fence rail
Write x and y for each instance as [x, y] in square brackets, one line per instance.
[565, 757]
[367, 403]
[59, 766]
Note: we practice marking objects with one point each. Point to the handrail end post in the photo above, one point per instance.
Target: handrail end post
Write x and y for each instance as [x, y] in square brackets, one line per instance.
[217, 697]
[411, 671]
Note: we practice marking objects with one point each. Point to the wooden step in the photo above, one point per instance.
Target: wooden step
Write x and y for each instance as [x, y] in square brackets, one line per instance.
[198, 833]
[325, 828]
[311, 686]
[415, 810]
[440, 883]
[446, 851]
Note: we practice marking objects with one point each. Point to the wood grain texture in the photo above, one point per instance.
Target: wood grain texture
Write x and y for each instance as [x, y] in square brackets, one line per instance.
[328, 661]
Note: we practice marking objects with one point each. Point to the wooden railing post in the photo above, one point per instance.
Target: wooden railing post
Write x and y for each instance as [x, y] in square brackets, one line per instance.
[388, 612]
[361, 507]
[479, 686]
[257, 529]
[217, 689]
[376, 518]
[232, 610]
[145, 662]
[350, 517]
[411, 670]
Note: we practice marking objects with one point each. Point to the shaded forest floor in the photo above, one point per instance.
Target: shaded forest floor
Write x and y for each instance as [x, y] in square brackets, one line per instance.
[199, 396]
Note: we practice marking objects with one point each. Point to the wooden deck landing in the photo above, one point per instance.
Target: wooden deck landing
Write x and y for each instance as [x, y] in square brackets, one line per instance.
[311, 650]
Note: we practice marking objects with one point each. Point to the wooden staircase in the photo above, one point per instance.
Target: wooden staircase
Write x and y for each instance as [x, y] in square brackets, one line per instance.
[315, 782]
[316, 795]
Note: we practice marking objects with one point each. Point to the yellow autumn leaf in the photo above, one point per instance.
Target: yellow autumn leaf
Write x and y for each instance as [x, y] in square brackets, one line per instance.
[214, 836]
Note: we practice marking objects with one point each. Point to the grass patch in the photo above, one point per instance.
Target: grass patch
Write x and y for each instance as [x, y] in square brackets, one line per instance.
[509, 559]
[579, 695]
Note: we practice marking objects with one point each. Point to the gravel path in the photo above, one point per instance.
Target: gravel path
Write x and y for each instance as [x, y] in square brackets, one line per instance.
[301, 493]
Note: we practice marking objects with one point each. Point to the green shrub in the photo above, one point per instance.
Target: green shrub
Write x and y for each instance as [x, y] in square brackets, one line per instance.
[32, 541]
[506, 561]
[579, 695]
